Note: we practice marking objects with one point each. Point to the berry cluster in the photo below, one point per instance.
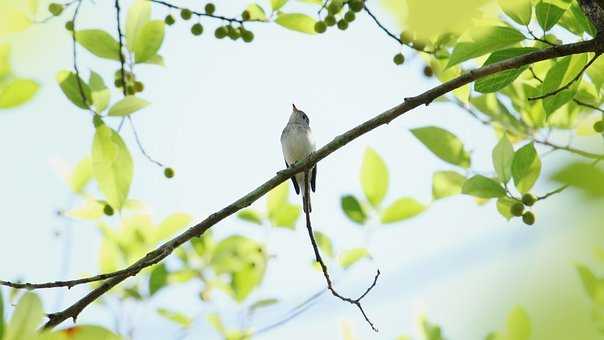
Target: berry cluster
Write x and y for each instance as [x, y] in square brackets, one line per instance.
[221, 32]
[132, 85]
[406, 39]
[333, 9]
[518, 209]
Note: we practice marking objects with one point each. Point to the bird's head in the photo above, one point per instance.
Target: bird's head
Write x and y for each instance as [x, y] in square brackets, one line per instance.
[298, 116]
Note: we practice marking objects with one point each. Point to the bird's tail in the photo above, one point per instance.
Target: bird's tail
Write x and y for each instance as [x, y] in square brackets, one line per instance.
[306, 200]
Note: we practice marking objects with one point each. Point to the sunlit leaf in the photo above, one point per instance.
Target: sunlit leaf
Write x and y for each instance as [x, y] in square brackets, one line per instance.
[547, 14]
[374, 177]
[250, 215]
[139, 14]
[149, 40]
[127, 105]
[85, 332]
[353, 209]
[2, 326]
[68, 82]
[277, 4]
[499, 80]
[5, 66]
[99, 43]
[559, 75]
[17, 92]
[504, 207]
[297, 22]
[100, 93]
[109, 256]
[216, 322]
[589, 280]
[13, 20]
[352, 256]
[518, 324]
[402, 209]
[518, 10]
[112, 166]
[485, 40]
[177, 317]
[526, 167]
[256, 12]
[443, 144]
[90, 210]
[482, 187]
[158, 278]
[583, 176]
[25, 319]
[324, 243]
[171, 225]
[503, 155]
[446, 183]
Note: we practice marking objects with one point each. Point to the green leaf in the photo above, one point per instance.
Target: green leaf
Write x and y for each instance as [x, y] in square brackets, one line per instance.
[177, 317]
[280, 212]
[548, 14]
[127, 105]
[352, 256]
[250, 215]
[256, 12]
[446, 183]
[583, 176]
[80, 175]
[5, 67]
[504, 207]
[90, 210]
[353, 209]
[148, 41]
[499, 80]
[262, 304]
[86, 332]
[487, 40]
[100, 93]
[277, 197]
[277, 4]
[589, 280]
[402, 209]
[158, 278]
[171, 225]
[139, 15]
[443, 144]
[526, 167]
[324, 243]
[559, 75]
[216, 322]
[1, 315]
[518, 324]
[99, 43]
[112, 166]
[483, 187]
[26, 318]
[374, 177]
[596, 73]
[518, 10]
[68, 82]
[17, 92]
[503, 155]
[297, 22]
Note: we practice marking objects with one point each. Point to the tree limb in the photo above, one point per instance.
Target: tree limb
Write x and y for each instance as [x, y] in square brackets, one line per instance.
[338, 142]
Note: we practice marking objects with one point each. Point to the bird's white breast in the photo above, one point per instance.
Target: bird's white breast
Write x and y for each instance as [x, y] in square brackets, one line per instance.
[297, 143]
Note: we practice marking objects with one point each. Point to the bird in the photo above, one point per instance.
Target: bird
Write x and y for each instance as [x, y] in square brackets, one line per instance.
[297, 143]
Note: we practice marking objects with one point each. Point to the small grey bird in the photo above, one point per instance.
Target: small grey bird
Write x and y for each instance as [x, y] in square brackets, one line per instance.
[297, 143]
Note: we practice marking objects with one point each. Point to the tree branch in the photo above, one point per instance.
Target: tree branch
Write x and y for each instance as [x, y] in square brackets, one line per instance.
[338, 142]
[201, 14]
[582, 153]
[356, 302]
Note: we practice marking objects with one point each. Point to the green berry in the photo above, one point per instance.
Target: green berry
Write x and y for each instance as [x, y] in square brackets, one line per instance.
[517, 209]
[399, 59]
[599, 126]
[247, 36]
[233, 32]
[528, 199]
[69, 25]
[138, 86]
[118, 82]
[186, 13]
[130, 90]
[55, 9]
[418, 45]
[169, 20]
[330, 20]
[220, 32]
[108, 210]
[197, 29]
[97, 120]
[210, 8]
[320, 27]
[169, 172]
[356, 5]
[528, 218]
[246, 15]
[334, 7]
[428, 71]
[349, 16]
[405, 37]
[342, 24]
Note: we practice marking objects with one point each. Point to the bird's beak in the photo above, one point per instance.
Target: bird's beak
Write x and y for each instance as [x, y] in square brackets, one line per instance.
[294, 106]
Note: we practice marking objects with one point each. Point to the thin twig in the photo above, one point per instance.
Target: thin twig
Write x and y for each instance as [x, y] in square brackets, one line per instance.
[120, 39]
[338, 142]
[579, 152]
[140, 144]
[557, 191]
[572, 81]
[357, 301]
[535, 74]
[582, 103]
[201, 14]
[75, 57]
[539, 39]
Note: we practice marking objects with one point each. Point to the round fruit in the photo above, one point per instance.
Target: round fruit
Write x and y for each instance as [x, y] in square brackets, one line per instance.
[517, 209]
[108, 210]
[210, 8]
[418, 45]
[55, 9]
[528, 199]
[186, 13]
[349, 16]
[246, 15]
[405, 37]
[330, 20]
[247, 36]
[169, 172]
[138, 86]
[220, 32]
[356, 5]
[428, 72]
[320, 27]
[233, 32]
[334, 7]
[118, 82]
[69, 25]
[197, 29]
[528, 218]
[130, 90]
[342, 24]
[169, 20]
[599, 126]
[399, 59]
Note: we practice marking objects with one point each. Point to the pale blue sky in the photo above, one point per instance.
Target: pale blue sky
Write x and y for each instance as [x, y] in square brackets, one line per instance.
[216, 116]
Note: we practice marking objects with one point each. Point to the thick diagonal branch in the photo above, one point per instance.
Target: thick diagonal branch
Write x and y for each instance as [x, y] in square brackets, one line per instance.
[338, 142]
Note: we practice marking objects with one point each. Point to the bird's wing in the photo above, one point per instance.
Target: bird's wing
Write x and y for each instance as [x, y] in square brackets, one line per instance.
[296, 187]
[313, 178]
